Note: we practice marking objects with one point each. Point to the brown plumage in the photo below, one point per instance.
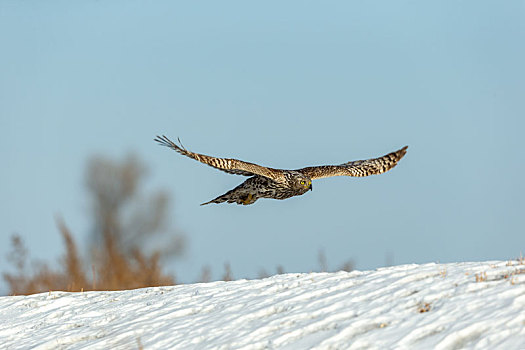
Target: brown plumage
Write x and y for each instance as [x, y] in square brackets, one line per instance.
[279, 183]
[356, 168]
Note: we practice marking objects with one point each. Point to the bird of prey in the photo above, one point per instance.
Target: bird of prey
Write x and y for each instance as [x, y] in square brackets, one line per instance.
[264, 182]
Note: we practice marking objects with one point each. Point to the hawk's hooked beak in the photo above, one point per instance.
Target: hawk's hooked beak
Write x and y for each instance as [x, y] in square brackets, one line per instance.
[311, 188]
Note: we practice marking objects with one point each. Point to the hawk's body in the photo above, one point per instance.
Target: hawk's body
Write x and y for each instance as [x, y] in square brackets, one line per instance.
[261, 187]
[281, 184]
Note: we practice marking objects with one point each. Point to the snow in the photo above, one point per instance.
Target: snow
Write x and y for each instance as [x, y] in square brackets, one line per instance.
[476, 305]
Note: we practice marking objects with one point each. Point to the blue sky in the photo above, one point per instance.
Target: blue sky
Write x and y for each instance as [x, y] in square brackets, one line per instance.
[282, 84]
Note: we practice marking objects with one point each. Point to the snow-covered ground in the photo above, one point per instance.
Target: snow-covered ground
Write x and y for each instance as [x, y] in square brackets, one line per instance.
[479, 305]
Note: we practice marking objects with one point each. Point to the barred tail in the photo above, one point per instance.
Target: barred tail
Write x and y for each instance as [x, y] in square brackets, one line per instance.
[234, 196]
[227, 197]
[216, 200]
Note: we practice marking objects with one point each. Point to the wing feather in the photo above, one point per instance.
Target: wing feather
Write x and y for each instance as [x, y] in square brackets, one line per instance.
[356, 168]
[231, 166]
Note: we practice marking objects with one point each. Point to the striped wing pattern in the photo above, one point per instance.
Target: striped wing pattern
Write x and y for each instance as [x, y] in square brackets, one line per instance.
[357, 168]
[231, 166]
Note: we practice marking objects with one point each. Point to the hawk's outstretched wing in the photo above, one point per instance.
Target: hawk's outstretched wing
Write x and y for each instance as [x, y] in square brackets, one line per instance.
[356, 168]
[231, 166]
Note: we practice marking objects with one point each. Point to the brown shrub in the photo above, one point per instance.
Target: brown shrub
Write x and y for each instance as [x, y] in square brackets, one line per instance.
[121, 255]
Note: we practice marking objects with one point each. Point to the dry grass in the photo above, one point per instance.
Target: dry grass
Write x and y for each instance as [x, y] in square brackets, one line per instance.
[443, 272]
[423, 307]
[510, 275]
[115, 271]
[481, 277]
[118, 258]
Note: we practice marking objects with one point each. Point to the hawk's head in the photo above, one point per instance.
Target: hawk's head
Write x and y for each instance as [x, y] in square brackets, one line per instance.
[301, 183]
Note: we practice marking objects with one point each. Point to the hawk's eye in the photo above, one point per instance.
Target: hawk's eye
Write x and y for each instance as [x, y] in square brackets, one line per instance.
[302, 182]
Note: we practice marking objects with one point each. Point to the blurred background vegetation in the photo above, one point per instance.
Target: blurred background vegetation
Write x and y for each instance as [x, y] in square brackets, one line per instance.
[129, 243]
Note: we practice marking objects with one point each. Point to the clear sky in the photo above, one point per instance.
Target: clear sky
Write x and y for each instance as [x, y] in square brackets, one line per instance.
[283, 84]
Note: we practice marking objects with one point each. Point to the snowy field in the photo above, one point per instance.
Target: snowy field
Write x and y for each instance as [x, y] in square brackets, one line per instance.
[478, 305]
